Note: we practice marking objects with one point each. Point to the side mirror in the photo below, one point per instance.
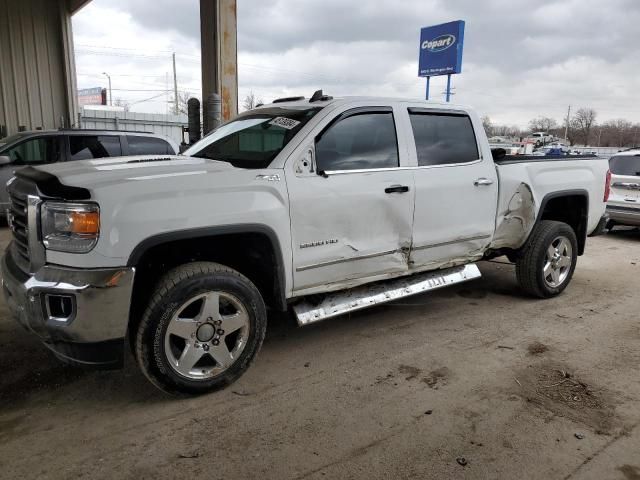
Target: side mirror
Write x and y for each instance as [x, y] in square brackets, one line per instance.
[4, 160]
[498, 153]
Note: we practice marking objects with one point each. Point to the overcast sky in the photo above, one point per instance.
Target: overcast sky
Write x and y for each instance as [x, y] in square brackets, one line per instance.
[522, 58]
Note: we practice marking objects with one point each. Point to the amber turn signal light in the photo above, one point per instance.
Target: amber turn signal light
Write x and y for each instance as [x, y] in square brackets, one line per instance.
[86, 223]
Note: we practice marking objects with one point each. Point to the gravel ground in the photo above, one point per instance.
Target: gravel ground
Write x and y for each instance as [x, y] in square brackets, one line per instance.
[474, 381]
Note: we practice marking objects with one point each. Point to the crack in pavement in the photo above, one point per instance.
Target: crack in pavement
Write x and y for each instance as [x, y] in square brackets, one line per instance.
[625, 432]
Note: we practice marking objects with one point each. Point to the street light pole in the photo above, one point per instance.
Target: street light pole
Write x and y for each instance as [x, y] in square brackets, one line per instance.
[110, 94]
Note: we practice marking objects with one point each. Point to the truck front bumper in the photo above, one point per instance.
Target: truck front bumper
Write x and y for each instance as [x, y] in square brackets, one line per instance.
[80, 314]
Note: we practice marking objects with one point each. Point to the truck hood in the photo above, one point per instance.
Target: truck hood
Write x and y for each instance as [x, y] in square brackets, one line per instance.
[100, 173]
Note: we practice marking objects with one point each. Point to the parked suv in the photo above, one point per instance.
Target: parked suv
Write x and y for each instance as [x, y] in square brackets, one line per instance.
[624, 203]
[40, 147]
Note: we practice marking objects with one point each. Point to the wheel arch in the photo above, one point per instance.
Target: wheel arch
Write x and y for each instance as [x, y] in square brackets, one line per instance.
[570, 207]
[252, 249]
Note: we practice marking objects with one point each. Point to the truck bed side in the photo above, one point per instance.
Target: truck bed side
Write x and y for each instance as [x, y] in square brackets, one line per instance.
[527, 185]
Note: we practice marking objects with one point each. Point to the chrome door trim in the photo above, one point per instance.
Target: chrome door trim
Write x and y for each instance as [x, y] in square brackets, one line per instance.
[392, 169]
[459, 240]
[343, 260]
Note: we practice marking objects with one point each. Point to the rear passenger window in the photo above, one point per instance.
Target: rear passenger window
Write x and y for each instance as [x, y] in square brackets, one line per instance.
[148, 146]
[360, 141]
[443, 139]
[86, 147]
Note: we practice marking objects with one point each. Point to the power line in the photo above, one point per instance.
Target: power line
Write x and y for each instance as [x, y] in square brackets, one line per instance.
[148, 99]
[122, 75]
[122, 55]
[120, 48]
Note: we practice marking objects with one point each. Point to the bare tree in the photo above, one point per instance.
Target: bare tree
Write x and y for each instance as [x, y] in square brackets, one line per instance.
[488, 126]
[583, 121]
[542, 124]
[506, 130]
[618, 133]
[251, 101]
[183, 99]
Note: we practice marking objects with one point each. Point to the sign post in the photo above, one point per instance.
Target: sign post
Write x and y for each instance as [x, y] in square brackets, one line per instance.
[441, 52]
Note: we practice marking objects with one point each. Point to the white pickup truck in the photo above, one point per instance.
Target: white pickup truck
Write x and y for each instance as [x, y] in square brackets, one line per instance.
[319, 206]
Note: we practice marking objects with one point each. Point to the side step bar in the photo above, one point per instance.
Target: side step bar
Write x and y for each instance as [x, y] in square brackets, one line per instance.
[342, 302]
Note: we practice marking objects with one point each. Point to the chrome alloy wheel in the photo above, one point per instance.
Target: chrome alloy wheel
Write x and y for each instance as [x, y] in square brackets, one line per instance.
[558, 260]
[206, 335]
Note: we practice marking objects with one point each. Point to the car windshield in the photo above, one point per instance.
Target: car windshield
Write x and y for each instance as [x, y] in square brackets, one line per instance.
[7, 140]
[254, 138]
[625, 165]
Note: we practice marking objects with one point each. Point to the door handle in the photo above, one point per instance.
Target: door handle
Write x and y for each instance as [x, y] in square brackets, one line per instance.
[396, 189]
[483, 182]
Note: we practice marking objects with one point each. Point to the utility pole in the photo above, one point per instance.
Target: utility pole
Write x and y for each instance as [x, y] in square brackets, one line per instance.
[175, 85]
[599, 136]
[166, 96]
[566, 127]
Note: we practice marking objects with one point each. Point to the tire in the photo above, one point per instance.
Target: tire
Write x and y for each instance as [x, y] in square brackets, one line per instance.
[609, 226]
[538, 272]
[181, 344]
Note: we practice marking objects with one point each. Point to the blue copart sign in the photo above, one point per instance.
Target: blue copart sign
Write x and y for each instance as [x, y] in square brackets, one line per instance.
[441, 49]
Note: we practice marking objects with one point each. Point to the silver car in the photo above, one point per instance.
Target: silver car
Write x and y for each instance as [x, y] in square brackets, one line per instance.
[50, 146]
[623, 206]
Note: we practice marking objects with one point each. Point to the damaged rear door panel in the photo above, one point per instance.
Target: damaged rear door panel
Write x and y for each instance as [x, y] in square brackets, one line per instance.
[351, 205]
[456, 188]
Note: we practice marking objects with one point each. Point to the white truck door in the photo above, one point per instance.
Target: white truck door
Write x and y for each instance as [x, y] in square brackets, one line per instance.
[351, 214]
[456, 188]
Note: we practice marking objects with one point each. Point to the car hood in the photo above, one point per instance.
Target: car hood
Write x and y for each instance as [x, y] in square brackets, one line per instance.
[100, 173]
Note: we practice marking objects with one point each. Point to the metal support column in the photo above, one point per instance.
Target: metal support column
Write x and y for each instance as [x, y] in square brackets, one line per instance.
[448, 87]
[218, 31]
[428, 85]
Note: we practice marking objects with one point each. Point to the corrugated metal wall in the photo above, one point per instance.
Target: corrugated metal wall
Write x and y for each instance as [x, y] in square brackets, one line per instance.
[169, 125]
[36, 65]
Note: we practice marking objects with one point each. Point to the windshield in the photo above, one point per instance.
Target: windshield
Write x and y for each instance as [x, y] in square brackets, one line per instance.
[255, 138]
[625, 165]
[6, 140]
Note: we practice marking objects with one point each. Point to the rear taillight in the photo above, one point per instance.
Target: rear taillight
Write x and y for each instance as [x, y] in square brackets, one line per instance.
[607, 186]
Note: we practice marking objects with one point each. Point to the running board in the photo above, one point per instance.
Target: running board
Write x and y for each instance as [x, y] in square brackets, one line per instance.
[342, 302]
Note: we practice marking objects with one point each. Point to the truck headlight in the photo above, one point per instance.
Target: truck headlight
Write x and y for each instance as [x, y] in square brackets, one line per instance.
[70, 227]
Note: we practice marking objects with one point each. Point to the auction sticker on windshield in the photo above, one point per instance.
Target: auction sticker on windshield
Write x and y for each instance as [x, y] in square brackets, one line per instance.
[284, 122]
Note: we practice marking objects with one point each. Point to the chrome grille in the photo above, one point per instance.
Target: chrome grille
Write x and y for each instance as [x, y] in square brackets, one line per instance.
[18, 222]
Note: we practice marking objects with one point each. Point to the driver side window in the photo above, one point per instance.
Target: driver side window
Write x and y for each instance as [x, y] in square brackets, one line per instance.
[359, 141]
[37, 150]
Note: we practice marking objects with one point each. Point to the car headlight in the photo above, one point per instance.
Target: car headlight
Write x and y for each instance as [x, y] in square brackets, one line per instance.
[70, 227]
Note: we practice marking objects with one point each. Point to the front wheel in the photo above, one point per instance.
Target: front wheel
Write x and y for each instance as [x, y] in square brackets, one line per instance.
[202, 328]
[546, 265]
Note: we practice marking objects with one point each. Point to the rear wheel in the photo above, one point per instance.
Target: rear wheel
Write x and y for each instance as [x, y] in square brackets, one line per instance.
[546, 265]
[202, 328]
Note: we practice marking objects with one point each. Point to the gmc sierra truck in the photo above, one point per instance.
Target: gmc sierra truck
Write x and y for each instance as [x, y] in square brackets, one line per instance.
[320, 207]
